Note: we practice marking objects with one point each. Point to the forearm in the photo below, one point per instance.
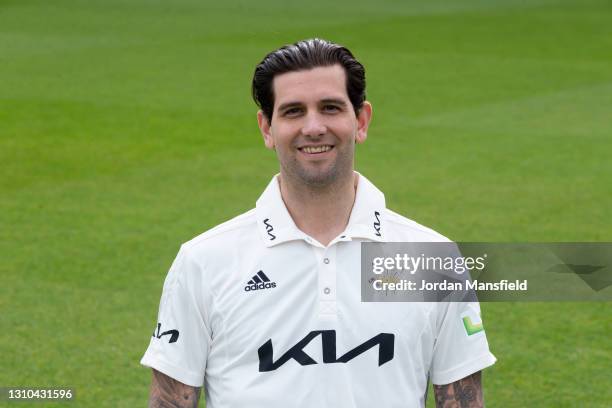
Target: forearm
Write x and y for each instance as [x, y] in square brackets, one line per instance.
[167, 392]
[465, 393]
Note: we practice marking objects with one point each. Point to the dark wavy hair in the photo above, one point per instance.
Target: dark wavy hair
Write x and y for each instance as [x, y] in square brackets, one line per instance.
[303, 55]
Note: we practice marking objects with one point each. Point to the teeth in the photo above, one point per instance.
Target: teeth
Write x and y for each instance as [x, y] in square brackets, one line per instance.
[316, 149]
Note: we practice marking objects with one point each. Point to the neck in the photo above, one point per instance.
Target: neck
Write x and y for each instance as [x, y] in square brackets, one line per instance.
[322, 212]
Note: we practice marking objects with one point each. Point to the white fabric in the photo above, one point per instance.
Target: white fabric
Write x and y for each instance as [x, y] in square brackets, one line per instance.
[222, 326]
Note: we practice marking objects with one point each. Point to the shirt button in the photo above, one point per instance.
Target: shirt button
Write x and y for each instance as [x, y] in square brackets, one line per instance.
[326, 260]
[327, 291]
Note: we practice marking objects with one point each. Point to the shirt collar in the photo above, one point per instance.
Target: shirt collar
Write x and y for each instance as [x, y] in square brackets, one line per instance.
[276, 225]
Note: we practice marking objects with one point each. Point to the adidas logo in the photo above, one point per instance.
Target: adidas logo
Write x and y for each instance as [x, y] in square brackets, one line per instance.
[259, 281]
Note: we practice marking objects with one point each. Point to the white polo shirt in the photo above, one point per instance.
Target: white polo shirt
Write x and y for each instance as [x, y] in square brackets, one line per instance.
[263, 315]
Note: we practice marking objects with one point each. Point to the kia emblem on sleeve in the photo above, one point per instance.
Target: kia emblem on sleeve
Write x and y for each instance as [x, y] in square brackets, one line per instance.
[174, 334]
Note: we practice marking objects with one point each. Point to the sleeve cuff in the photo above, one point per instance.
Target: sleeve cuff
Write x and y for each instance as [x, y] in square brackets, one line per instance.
[180, 374]
[470, 367]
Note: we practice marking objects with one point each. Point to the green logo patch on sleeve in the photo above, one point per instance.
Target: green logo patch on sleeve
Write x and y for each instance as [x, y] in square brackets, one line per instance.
[471, 327]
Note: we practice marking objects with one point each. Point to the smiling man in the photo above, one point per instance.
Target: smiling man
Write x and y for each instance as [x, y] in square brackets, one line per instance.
[264, 310]
[314, 128]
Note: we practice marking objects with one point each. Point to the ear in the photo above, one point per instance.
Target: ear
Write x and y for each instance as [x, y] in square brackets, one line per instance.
[363, 121]
[264, 127]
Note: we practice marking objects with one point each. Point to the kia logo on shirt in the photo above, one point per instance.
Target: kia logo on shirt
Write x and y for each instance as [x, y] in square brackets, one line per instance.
[377, 223]
[384, 341]
[174, 334]
[269, 229]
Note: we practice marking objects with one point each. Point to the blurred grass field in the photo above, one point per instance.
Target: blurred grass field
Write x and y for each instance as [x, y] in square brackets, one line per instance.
[126, 128]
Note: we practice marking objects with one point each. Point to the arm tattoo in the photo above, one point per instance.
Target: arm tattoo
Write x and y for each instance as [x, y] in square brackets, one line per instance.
[465, 393]
[166, 392]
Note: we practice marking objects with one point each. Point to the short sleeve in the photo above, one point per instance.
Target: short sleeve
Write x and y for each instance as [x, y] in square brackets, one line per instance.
[461, 346]
[181, 339]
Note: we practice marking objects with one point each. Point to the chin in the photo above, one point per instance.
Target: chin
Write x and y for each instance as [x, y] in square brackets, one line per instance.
[320, 178]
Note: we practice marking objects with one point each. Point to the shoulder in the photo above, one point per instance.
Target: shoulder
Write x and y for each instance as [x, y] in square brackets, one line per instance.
[206, 257]
[404, 229]
[236, 231]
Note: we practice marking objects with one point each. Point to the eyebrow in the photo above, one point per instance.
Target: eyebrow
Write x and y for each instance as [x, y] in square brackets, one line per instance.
[293, 104]
[287, 105]
[335, 101]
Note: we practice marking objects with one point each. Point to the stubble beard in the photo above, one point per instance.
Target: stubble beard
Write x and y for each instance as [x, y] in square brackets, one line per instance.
[321, 178]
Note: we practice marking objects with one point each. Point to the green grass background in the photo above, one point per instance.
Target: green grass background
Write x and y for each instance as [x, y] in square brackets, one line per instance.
[126, 128]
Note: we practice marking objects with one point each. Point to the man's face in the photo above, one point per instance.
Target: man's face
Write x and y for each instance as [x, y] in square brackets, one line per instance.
[314, 127]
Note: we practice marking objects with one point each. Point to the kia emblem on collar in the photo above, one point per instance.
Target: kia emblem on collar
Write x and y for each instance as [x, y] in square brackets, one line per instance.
[269, 229]
[377, 223]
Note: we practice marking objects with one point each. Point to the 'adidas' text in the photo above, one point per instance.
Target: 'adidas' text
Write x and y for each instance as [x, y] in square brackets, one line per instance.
[259, 281]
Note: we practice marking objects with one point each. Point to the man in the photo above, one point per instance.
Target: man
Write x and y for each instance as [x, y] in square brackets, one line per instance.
[264, 310]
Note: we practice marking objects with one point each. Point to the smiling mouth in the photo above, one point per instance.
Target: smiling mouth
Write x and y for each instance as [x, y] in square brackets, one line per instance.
[315, 149]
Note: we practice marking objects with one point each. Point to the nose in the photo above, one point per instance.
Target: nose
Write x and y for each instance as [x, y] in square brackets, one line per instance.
[314, 125]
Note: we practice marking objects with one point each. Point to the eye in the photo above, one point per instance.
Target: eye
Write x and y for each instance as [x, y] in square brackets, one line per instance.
[331, 108]
[292, 112]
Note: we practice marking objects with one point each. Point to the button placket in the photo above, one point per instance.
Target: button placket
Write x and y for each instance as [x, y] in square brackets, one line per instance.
[327, 281]
[328, 270]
